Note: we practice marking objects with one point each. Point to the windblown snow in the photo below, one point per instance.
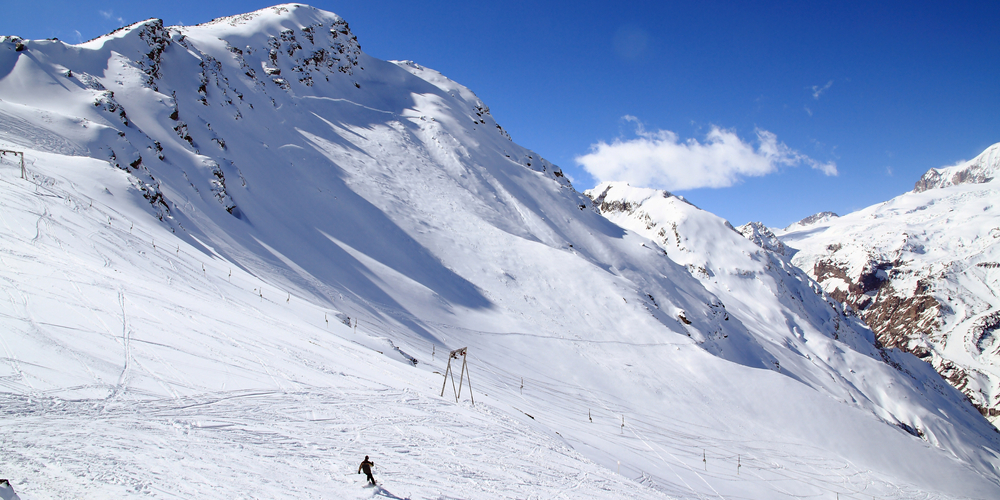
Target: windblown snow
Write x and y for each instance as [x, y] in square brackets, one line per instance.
[240, 253]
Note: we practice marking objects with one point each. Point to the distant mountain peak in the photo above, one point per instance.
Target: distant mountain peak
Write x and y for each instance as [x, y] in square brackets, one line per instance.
[624, 196]
[980, 170]
[813, 219]
[762, 236]
[274, 10]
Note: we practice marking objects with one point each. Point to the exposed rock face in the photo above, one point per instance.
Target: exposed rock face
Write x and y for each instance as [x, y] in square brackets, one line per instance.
[918, 320]
[817, 218]
[922, 271]
[898, 319]
[762, 236]
[984, 168]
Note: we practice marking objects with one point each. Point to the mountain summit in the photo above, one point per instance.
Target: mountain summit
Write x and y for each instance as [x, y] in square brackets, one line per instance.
[242, 254]
[980, 170]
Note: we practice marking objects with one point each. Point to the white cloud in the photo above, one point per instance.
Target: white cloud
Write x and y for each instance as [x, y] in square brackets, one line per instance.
[817, 90]
[110, 14]
[660, 159]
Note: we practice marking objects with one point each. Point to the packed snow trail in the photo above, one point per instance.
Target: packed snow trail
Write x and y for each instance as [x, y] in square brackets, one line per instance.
[290, 445]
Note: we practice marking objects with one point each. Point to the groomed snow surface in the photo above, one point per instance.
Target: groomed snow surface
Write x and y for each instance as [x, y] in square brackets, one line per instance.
[237, 314]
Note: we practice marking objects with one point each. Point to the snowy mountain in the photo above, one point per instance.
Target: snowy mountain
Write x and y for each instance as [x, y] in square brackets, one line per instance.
[922, 270]
[981, 170]
[814, 219]
[757, 285]
[240, 253]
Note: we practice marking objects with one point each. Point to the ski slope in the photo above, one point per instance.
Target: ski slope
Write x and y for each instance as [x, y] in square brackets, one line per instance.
[231, 247]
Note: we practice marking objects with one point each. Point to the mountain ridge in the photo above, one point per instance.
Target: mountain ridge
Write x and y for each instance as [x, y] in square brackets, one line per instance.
[982, 169]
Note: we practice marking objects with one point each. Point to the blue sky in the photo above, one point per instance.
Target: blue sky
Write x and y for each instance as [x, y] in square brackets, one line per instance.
[755, 111]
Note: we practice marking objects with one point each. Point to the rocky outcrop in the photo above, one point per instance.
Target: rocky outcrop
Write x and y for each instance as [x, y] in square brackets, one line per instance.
[896, 318]
[984, 168]
[913, 319]
[762, 237]
[820, 217]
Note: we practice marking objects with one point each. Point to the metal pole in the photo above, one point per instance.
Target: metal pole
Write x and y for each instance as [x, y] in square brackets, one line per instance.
[461, 377]
[473, 398]
[465, 373]
[446, 371]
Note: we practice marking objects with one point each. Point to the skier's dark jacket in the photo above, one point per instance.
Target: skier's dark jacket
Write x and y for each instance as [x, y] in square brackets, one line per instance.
[366, 466]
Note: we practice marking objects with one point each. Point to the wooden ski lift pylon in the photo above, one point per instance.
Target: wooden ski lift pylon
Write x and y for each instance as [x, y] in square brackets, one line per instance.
[463, 376]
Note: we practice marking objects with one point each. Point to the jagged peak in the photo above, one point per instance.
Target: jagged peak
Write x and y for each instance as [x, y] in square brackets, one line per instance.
[273, 20]
[623, 191]
[618, 196]
[762, 236]
[980, 170]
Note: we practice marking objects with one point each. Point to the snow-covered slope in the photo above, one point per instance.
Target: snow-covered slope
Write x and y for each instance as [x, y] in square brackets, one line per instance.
[810, 336]
[243, 249]
[923, 270]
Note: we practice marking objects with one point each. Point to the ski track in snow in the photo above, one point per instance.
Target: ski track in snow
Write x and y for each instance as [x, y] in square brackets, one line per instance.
[423, 447]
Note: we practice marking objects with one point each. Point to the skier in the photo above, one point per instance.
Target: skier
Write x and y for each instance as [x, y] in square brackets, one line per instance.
[7, 491]
[367, 467]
